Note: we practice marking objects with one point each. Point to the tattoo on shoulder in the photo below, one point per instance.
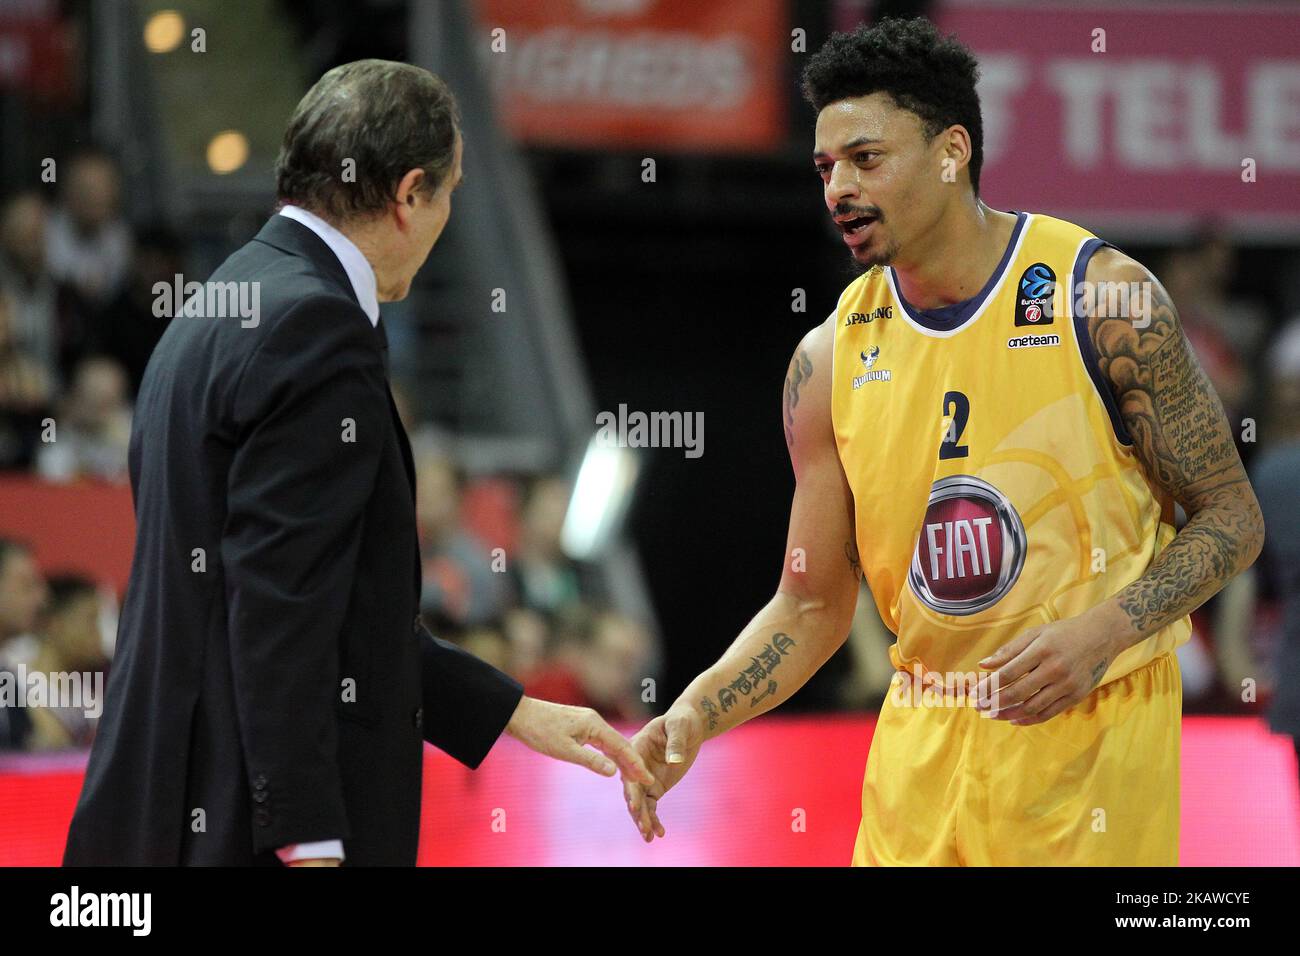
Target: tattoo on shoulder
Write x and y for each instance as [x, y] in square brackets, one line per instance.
[1168, 405]
[799, 372]
[855, 563]
[1182, 437]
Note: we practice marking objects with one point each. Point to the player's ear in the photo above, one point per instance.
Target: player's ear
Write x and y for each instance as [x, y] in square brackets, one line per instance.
[956, 148]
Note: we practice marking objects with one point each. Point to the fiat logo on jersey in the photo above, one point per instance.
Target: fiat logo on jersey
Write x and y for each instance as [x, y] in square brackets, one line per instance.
[970, 550]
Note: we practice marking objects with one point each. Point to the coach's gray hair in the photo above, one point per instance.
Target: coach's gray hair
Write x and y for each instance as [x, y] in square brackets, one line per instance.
[386, 117]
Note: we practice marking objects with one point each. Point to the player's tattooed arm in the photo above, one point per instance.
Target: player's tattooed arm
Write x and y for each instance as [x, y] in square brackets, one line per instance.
[809, 617]
[799, 372]
[1182, 437]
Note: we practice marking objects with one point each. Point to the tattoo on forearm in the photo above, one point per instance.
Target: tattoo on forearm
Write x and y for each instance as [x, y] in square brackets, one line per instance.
[799, 372]
[711, 711]
[753, 677]
[1196, 564]
[1181, 435]
[1098, 671]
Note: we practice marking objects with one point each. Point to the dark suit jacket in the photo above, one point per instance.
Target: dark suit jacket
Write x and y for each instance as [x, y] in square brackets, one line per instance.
[272, 682]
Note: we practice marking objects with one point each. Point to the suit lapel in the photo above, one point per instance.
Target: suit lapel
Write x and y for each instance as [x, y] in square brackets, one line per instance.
[408, 462]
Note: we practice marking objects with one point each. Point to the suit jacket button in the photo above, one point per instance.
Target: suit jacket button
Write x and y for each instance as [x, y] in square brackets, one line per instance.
[261, 796]
[262, 817]
[415, 626]
[419, 718]
[260, 782]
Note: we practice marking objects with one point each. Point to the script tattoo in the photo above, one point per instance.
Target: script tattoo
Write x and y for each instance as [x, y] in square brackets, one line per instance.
[799, 372]
[758, 675]
[711, 709]
[1181, 435]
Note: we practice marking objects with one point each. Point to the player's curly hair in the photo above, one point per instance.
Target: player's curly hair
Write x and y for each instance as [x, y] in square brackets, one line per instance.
[922, 71]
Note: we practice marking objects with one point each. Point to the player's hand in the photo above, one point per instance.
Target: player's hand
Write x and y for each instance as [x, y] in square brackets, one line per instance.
[329, 861]
[563, 732]
[669, 744]
[1047, 669]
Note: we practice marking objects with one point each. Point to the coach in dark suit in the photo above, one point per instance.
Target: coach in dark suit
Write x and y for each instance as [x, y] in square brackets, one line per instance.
[272, 685]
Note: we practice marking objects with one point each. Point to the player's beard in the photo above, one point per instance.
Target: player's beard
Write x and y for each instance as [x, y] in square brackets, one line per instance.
[882, 256]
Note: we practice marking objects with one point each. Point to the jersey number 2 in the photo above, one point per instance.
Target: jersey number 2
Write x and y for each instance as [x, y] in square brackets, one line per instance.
[958, 406]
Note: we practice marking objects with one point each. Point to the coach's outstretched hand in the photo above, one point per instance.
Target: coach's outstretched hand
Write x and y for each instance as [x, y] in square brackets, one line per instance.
[562, 732]
[669, 745]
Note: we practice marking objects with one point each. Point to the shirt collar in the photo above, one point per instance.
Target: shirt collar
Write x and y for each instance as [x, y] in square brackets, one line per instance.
[353, 262]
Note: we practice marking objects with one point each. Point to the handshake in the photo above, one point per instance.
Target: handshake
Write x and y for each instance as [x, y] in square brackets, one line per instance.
[651, 762]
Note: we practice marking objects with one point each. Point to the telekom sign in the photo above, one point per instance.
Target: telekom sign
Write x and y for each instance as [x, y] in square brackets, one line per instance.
[1190, 111]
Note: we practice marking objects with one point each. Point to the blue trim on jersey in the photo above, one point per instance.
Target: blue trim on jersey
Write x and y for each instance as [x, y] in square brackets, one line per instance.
[1086, 349]
[948, 317]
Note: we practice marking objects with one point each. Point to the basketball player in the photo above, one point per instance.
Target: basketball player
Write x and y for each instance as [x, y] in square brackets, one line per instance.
[992, 428]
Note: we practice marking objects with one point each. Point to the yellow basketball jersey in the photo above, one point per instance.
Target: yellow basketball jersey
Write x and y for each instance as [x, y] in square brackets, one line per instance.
[994, 483]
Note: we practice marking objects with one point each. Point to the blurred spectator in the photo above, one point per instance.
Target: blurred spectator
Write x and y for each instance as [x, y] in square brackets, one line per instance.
[38, 306]
[615, 666]
[1226, 333]
[24, 396]
[528, 635]
[558, 676]
[598, 659]
[88, 245]
[93, 430]
[68, 642]
[460, 588]
[127, 329]
[1276, 477]
[22, 595]
[545, 578]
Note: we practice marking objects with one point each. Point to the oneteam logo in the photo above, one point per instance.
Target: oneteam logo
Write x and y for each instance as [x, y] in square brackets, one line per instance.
[1032, 341]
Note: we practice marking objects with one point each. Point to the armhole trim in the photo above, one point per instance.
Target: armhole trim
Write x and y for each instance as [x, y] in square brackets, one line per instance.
[1087, 353]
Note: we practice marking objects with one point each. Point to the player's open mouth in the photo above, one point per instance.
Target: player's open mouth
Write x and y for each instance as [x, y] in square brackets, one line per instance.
[855, 230]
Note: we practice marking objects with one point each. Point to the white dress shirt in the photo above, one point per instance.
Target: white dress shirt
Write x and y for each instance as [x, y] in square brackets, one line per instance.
[354, 263]
[362, 278]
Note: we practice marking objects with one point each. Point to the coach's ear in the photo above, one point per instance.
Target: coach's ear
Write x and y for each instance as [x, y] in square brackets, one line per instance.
[407, 187]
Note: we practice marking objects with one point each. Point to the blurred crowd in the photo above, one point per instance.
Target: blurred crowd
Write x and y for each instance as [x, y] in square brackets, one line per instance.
[77, 326]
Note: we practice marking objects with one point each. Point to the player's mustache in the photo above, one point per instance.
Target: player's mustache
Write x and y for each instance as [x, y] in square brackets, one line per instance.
[843, 210]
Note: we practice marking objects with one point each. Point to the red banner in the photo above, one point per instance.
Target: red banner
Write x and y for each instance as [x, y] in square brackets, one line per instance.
[1191, 111]
[675, 74]
[35, 50]
[1240, 804]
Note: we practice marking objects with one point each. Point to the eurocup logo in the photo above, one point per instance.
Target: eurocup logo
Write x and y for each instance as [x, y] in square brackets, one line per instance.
[1037, 287]
[1037, 282]
[971, 548]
